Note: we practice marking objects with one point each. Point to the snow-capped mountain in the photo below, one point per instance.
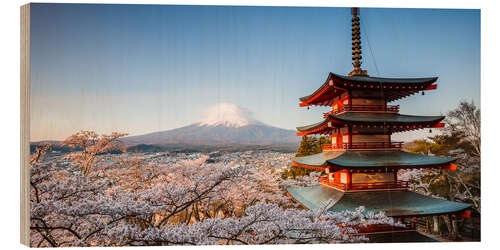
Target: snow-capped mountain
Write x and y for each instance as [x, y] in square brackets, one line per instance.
[229, 115]
[223, 124]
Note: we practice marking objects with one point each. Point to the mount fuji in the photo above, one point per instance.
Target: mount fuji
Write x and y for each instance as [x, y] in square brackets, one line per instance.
[223, 124]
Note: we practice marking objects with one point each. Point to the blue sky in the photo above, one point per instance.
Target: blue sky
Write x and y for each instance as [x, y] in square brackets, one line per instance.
[146, 68]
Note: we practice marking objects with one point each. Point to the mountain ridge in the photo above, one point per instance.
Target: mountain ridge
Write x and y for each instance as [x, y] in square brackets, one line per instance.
[200, 134]
[222, 124]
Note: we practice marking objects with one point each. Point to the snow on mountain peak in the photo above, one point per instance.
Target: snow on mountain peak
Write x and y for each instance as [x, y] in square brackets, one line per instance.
[227, 114]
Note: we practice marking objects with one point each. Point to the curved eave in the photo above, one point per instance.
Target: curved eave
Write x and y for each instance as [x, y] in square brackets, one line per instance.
[388, 81]
[387, 159]
[383, 118]
[323, 96]
[315, 160]
[322, 88]
[394, 88]
[400, 203]
[370, 160]
[394, 122]
[391, 121]
[316, 128]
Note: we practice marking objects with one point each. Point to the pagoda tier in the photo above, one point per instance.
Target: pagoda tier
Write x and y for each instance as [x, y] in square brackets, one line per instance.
[371, 122]
[395, 203]
[371, 161]
[393, 88]
[364, 170]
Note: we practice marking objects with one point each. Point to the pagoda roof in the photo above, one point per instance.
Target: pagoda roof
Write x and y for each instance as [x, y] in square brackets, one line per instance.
[371, 159]
[384, 80]
[317, 160]
[395, 203]
[369, 117]
[394, 88]
[394, 121]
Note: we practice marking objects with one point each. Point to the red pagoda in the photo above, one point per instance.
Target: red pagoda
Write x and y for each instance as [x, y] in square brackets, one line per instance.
[362, 162]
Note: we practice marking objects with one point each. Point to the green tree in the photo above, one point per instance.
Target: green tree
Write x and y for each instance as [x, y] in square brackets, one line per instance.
[306, 146]
[309, 145]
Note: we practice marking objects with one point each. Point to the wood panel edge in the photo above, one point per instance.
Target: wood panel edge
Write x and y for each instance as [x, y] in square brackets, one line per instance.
[25, 123]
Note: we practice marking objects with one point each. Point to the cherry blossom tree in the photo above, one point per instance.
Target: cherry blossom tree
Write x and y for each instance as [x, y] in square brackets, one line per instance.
[127, 199]
[263, 223]
[91, 145]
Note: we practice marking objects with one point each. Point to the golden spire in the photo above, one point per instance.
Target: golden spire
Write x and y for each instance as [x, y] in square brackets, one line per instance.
[356, 45]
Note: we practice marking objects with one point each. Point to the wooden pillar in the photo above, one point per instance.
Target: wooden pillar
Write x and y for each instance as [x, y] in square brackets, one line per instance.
[435, 228]
[349, 179]
[339, 138]
[349, 138]
[336, 177]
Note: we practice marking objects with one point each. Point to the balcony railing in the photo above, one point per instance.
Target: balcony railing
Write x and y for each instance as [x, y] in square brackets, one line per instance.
[364, 186]
[365, 108]
[362, 146]
[384, 228]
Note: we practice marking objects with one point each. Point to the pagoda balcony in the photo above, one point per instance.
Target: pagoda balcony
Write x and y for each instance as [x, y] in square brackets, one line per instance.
[365, 108]
[363, 186]
[362, 146]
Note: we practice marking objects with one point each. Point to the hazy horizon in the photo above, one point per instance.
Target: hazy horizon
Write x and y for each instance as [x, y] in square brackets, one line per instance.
[146, 68]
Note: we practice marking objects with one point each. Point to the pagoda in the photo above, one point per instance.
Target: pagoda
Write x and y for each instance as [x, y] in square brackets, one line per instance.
[361, 163]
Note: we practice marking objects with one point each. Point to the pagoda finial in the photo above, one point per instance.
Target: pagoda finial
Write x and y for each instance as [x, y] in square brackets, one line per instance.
[356, 45]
